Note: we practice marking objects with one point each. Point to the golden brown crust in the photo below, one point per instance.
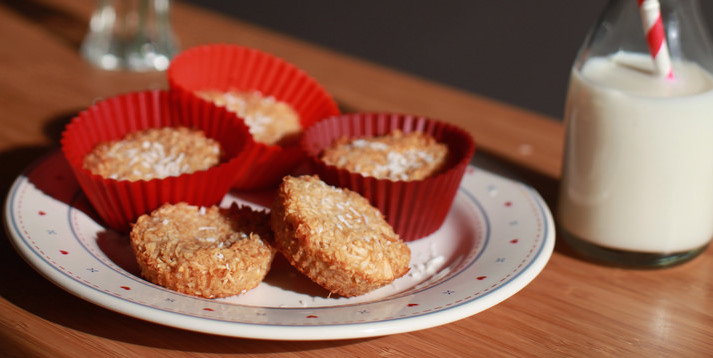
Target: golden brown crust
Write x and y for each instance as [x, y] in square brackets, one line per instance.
[208, 252]
[154, 153]
[270, 121]
[335, 237]
[395, 156]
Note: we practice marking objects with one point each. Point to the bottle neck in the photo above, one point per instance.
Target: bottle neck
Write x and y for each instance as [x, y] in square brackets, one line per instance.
[620, 28]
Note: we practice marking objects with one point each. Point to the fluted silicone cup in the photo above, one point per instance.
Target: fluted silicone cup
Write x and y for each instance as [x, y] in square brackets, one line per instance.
[120, 202]
[415, 208]
[226, 67]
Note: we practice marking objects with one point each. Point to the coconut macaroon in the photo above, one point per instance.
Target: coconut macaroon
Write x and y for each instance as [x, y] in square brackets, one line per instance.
[335, 237]
[395, 156]
[270, 121]
[204, 251]
[154, 153]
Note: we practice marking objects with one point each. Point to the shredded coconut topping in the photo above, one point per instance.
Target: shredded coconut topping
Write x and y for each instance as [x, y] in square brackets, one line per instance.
[395, 156]
[154, 153]
[270, 121]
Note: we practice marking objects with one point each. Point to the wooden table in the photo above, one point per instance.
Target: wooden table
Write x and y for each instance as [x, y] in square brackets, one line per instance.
[573, 308]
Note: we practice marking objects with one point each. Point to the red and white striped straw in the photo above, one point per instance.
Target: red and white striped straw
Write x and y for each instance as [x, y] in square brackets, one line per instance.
[656, 36]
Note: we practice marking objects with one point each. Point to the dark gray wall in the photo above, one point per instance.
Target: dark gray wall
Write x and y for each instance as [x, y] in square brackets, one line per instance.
[516, 51]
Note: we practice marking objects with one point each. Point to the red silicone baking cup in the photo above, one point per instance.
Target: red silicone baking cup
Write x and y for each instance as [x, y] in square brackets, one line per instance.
[120, 202]
[416, 208]
[227, 67]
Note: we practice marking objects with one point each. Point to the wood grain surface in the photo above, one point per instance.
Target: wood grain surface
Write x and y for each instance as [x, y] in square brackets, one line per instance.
[574, 308]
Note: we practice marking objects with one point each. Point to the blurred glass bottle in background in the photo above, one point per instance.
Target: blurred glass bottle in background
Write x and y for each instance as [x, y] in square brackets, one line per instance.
[133, 35]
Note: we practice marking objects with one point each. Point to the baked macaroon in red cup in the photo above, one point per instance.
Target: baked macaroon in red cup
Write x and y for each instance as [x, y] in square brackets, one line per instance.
[414, 204]
[150, 122]
[276, 99]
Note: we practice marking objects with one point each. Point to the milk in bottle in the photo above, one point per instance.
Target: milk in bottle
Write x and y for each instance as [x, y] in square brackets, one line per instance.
[639, 163]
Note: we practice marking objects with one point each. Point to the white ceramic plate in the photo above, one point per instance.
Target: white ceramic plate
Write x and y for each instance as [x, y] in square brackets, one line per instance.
[497, 237]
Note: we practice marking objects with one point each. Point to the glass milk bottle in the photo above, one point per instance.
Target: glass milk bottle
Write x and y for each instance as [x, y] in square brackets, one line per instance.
[637, 179]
